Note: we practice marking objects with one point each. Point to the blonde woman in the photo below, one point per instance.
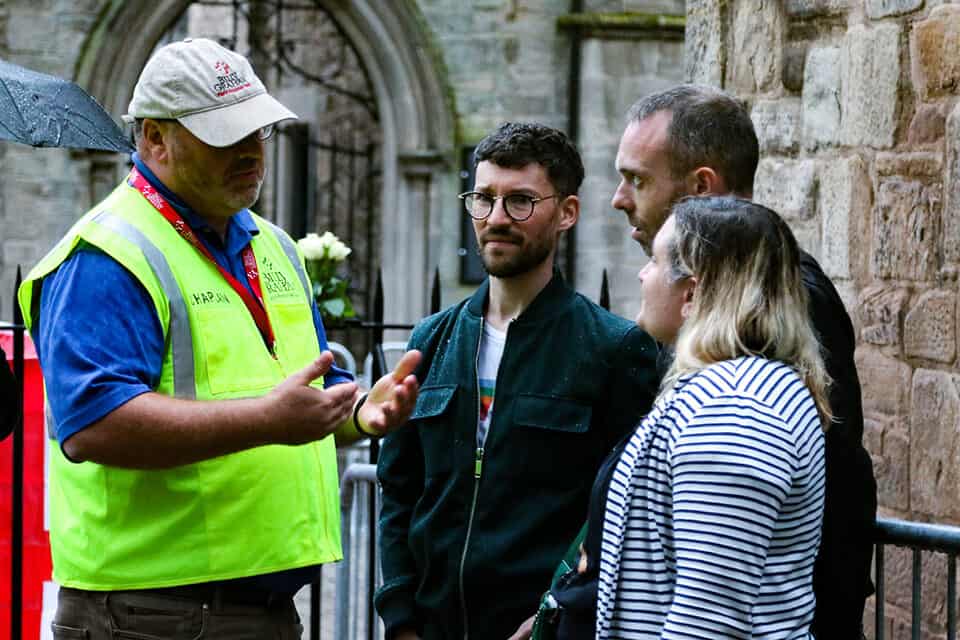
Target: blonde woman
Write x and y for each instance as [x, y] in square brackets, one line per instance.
[712, 517]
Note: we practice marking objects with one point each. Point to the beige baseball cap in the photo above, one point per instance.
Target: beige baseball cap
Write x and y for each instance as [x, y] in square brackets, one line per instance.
[209, 89]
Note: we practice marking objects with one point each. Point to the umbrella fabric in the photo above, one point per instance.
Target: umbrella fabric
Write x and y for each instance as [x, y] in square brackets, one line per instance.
[45, 111]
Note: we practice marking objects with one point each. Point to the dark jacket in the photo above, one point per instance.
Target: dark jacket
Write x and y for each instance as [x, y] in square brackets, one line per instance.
[9, 398]
[467, 556]
[841, 575]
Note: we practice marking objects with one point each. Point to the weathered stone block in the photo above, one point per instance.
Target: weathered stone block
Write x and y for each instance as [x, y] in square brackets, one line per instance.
[704, 46]
[789, 187]
[951, 212]
[809, 8]
[928, 125]
[870, 68]
[821, 97]
[934, 43]
[929, 330]
[885, 8]
[892, 470]
[935, 444]
[874, 427]
[906, 226]
[777, 123]
[921, 164]
[881, 312]
[844, 205]
[758, 34]
[884, 382]
[794, 63]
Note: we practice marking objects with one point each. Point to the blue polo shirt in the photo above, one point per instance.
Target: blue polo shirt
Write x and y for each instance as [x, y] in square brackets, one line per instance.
[107, 347]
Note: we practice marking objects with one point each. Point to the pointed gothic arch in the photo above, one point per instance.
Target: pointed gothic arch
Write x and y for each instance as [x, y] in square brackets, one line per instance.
[415, 108]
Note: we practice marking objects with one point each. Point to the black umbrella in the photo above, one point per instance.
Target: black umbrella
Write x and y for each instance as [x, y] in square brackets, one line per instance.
[46, 111]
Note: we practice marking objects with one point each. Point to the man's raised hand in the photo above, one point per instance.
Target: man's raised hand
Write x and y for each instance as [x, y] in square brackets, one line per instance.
[392, 399]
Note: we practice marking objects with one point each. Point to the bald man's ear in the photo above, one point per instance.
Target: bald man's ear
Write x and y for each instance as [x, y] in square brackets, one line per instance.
[704, 181]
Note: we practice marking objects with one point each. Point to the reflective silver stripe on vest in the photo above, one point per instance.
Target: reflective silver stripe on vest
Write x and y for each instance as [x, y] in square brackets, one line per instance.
[180, 336]
[48, 420]
[291, 250]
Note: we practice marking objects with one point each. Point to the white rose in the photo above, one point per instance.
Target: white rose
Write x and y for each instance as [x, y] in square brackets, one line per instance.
[338, 251]
[312, 246]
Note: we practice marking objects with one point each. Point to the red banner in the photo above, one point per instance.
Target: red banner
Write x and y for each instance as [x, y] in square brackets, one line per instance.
[36, 539]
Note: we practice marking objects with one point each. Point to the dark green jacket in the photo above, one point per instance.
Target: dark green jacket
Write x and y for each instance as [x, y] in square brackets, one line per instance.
[573, 379]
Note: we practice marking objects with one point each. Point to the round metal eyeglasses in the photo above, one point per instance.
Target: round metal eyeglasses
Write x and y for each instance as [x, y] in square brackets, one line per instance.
[264, 133]
[518, 206]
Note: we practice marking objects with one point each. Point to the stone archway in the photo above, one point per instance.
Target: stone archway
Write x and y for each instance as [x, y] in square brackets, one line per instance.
[417, 119]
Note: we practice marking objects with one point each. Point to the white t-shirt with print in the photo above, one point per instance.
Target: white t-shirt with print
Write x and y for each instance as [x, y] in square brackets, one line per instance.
[491, 351]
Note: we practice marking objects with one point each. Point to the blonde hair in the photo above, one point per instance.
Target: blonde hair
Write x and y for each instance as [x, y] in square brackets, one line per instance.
[749, 299]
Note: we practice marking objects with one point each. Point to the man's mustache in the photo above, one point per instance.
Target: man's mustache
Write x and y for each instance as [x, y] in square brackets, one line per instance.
[494, 236]
[242, 166]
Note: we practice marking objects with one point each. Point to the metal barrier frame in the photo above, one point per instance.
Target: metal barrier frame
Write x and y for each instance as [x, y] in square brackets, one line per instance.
[919, 537]
[350, 486]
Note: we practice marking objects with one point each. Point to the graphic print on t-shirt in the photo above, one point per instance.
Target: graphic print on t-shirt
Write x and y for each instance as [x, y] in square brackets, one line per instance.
[487, 387]
[491, 350]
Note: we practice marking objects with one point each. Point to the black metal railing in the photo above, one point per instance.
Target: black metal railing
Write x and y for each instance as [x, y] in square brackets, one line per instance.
[919, 538]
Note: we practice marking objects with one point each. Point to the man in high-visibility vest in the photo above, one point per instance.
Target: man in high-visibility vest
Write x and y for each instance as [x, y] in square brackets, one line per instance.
[193, 484]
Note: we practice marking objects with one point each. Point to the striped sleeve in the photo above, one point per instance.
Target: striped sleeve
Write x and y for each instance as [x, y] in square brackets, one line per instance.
[713, 515]
[732, 467]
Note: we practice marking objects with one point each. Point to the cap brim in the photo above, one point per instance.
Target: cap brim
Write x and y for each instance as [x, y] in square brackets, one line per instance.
[228, 125]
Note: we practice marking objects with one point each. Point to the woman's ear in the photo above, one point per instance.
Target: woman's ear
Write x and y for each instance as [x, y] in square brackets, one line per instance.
[689, 293]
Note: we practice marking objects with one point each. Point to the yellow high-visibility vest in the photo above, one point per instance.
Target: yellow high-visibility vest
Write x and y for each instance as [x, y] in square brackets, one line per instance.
[257, 511]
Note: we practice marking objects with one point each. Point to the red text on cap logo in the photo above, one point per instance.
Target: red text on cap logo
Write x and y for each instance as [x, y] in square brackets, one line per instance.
[228, 81]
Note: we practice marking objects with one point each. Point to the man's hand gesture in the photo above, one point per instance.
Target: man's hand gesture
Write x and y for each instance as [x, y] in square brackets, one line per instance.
[391, 400]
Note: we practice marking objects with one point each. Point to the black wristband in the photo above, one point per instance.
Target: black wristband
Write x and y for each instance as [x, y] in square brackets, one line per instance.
[356, 416]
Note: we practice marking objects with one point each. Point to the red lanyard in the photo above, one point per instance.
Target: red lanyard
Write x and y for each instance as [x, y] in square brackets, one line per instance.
[254, 303]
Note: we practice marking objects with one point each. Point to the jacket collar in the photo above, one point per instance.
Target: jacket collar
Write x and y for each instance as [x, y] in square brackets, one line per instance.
[543, 307]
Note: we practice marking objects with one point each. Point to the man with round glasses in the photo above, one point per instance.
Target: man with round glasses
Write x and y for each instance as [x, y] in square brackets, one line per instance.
[193, 483]
[525, 387]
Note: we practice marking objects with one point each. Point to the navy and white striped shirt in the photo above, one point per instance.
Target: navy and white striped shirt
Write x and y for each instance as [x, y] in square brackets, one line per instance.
[714, 511]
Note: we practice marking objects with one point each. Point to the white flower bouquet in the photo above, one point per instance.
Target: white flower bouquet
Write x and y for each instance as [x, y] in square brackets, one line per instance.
[324, 254]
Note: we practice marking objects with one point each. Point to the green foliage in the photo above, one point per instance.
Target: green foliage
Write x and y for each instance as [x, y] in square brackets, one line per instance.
[330, 290]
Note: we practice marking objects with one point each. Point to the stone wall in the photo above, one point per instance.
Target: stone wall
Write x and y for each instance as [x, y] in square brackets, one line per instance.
[618, 66]
[855, 103]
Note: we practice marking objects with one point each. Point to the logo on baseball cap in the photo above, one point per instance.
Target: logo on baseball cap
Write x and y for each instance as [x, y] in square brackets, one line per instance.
[210, 90]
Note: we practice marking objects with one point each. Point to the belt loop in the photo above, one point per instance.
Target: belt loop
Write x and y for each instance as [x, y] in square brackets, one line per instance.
[217, 604]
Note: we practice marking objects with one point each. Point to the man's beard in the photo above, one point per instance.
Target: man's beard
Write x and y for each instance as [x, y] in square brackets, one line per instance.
[518, 264]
